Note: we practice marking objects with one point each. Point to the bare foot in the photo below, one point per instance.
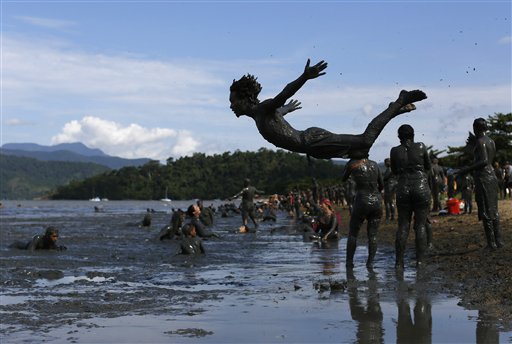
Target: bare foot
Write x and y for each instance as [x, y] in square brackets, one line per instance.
[407, 108]
[408, 97]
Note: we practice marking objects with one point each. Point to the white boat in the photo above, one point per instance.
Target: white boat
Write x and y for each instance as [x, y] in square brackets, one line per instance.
[95, 199]
[165, 199]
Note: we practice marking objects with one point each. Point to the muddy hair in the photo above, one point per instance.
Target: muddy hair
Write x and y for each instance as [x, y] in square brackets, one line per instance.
[247, 87]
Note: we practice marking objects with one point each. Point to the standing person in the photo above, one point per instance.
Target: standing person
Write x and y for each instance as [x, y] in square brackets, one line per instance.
[437, 177]
[194, 212]
[316, 142]
[411, 163]
[467, 186]
[500, 175]
[247, 205]
[367, 206]
[486, 183]
[389, 191]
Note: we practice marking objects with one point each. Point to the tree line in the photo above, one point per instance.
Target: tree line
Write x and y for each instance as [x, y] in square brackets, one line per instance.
[207, 177]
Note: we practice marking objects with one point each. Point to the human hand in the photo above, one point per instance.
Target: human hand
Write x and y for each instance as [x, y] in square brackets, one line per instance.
[290, 107]
[316, 70]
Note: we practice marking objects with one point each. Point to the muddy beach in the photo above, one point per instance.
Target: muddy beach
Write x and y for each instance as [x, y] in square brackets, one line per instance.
[117, 283]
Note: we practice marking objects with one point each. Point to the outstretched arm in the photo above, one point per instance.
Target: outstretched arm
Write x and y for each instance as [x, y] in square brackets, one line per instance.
[310, 72]
[290, 107]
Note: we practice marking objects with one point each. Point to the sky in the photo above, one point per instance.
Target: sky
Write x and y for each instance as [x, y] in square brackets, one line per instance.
[150, 79]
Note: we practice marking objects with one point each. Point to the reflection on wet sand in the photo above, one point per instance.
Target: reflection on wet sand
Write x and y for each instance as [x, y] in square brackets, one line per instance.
[486, 329]
[417, 329]
[369, 317]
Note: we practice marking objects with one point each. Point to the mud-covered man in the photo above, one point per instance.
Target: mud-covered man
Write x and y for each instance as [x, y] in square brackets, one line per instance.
[367, 206]
[411, 163]
[47, 241]
[316, 142]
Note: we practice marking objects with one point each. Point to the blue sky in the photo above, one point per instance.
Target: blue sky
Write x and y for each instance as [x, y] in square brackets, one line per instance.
[151, 78]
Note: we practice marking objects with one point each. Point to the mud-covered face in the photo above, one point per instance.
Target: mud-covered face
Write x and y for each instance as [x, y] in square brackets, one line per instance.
[237, 105]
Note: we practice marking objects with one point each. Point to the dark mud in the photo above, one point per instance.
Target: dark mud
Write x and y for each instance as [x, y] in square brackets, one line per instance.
[117, 283]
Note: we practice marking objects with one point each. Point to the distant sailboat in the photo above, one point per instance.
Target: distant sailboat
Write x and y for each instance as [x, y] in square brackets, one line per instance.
[166, 199]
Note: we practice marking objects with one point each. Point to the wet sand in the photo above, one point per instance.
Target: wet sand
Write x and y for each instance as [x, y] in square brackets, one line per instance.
[117, 283]
[481, 278]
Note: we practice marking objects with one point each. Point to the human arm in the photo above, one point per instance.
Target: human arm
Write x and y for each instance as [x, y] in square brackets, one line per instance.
[310, 72]
[333, 226]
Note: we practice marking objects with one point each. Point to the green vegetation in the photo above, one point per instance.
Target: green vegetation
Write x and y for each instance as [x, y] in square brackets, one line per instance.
[500, 130]
[199, 176]
[206, 177]
[28, 178]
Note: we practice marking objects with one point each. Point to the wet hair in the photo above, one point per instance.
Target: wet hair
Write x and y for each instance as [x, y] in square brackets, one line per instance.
[405, 132]
[51, 231]
[246, 88]
[187, 229]
[190, 210]
[247, 182]
[480, 125]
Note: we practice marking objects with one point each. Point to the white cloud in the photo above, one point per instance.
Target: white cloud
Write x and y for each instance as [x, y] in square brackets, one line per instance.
[15, 122]
[505, 40]
[132, 141]
[46, 22]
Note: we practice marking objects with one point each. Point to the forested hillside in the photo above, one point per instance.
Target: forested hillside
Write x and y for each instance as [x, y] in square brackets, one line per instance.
[28, 178]
[206, 177]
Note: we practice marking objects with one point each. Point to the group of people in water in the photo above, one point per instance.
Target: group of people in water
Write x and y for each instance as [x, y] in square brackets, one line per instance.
[409, 163]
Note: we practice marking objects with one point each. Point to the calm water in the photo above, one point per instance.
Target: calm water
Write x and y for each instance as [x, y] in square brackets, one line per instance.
[117, 283]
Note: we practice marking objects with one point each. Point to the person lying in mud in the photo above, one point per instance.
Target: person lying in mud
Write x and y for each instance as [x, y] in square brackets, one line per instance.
[194, 212]
[46, 241]
[190, 243]
[316, 142]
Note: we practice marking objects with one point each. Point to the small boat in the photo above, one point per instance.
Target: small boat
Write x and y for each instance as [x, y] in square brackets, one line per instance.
[95, 199]
[165, 199]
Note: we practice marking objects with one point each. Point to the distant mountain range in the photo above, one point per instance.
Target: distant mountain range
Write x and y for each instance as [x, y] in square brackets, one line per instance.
[70, 152]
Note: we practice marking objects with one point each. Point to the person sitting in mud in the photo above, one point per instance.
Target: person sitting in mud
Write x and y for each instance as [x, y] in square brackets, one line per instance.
[47, 241]
[173, 229]
[207, 216]
[194, 212]
[316, 142]
[326, 222]
[190, 243]
[367, 206]
[146, 221]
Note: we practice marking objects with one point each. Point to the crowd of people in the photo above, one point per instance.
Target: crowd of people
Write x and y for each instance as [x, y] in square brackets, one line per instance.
[411, 184]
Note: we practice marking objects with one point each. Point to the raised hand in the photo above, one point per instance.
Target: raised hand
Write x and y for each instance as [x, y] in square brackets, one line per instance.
[314, 71]
[290, 107]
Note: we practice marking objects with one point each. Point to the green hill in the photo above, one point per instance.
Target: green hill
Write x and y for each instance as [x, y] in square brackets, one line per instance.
[29, 178]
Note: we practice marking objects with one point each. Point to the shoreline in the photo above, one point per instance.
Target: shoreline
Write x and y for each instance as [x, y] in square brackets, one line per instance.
[482, 279]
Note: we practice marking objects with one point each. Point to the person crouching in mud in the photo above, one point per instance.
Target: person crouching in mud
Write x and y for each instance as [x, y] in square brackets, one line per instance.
[327, 223]
[47, 241]
[190, 243]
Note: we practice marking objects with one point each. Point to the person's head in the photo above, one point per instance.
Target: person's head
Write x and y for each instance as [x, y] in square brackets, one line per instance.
[387, 162]
[52, 233]
[199, 203]
[479, 126]
[247, 182]
[326, 205]
[193, 210]
[244, 94]
[435, 161]
[405, 133]
[189, 230]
